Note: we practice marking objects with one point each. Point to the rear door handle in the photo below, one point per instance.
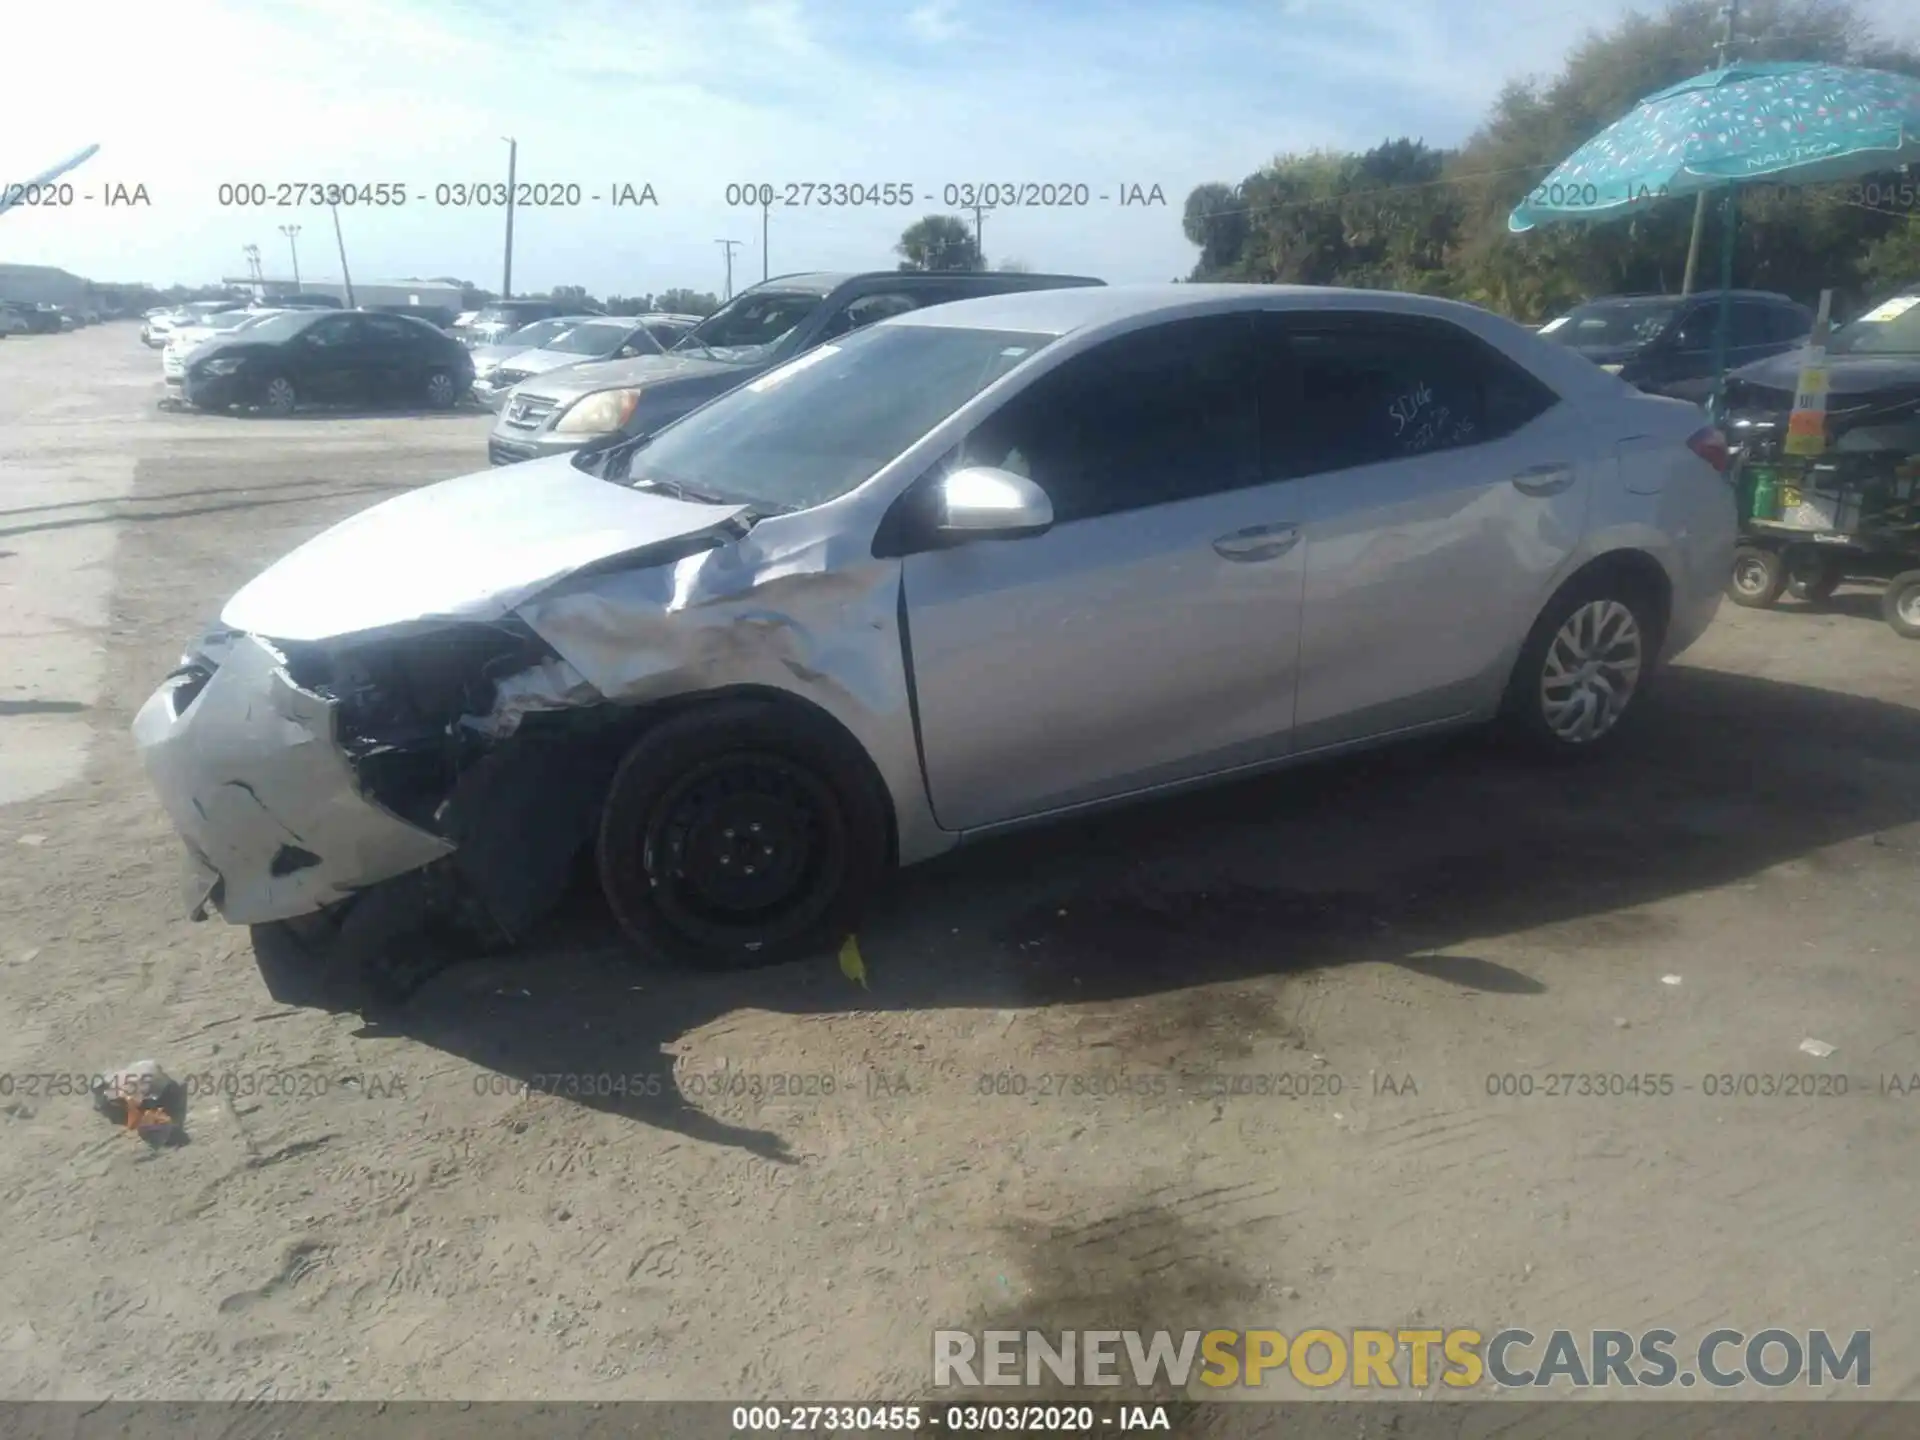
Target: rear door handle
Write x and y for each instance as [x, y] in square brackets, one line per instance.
[1544, 479]
[1257, 542]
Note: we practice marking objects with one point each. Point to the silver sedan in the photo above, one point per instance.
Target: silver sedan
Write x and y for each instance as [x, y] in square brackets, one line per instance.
[975, 567]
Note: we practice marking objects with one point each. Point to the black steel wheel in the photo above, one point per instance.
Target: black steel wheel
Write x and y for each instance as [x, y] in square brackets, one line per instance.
[1813, 578]
[740, 834]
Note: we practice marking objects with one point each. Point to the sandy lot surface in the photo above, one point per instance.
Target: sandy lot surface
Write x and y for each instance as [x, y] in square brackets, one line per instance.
[1047, 1110]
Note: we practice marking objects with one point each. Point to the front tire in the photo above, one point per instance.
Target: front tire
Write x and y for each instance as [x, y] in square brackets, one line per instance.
[741, 834]
[1900, 605]
[278, 397]
[1759, 576]
[1582, 669]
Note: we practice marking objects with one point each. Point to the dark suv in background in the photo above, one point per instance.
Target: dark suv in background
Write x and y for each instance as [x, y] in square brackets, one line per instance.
[762, 327]
[1664, 343]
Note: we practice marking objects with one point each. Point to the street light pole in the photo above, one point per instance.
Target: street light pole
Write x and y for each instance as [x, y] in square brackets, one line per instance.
[766, 205]
[728, 246]
[340, 240]
[506, 273]
[292, 233]
[1729, 16]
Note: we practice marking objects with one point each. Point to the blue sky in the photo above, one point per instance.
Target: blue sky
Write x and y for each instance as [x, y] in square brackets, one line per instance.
[691, 95]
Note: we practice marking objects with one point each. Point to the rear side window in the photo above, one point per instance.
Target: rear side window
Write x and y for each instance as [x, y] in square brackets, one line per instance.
[1752, 324]
[1342, 391]
[1791, 322]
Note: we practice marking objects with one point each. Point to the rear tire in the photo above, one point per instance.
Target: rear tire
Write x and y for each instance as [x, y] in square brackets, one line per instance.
[1900, 606]
[741, 834]
[1583, 668]
[1813, 579]
[1759, 576]
[442, 390]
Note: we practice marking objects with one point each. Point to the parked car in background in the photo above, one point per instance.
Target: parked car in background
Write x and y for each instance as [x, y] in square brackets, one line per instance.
[759, 328]
[159, 328]
[592, 338]
[312, 356]
[1664, 344]
[489, 358]
[12, 322]
[188, 338]
[497, 321]
[303, 301]
[969, 568]
[437, 316]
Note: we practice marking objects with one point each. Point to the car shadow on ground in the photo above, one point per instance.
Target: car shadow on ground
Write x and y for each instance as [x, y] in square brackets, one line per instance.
[1406, 856]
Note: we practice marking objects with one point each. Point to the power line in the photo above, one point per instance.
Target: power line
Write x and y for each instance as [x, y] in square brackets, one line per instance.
[728, 246]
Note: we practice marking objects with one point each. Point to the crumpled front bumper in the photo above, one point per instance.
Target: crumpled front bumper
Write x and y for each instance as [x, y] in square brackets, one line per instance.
[250, 772]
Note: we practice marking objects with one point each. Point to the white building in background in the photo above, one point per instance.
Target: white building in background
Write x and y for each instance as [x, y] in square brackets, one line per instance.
[43, 285]
[367, 294]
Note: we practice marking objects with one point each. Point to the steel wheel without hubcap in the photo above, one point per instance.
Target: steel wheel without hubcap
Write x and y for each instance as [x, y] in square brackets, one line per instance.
[440, 390]
[742, 843]
[1751, 575]
[279, 396]
[1592, 669]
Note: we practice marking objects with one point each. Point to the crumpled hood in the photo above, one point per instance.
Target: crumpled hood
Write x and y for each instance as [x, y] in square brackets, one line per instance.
[578, 380]
[469, 549]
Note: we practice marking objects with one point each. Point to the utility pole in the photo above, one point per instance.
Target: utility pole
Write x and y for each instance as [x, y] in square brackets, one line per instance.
[1729, 17]
[506, 272]
[340, 240]
[979, 243]
[728, 246]
[766, 205]
[252, 252]
[292, 233]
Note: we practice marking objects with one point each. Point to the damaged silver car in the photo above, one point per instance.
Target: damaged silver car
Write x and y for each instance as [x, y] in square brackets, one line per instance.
[968, 568]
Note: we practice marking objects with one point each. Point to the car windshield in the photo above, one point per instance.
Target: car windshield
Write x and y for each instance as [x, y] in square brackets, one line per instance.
[500, 315]
[747, 327]
[284, 326]
[827, 420]
[532, 337]
[1614, 322]
[593, 338]
[1890, 328]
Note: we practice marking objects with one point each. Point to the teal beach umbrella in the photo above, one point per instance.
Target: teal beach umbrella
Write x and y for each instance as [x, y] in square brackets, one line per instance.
[1786, 123]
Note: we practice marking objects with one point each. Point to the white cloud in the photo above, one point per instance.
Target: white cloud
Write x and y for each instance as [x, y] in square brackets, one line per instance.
[934, 23]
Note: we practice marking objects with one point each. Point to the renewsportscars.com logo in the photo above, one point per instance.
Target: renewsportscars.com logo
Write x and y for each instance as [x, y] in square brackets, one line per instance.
[1367, 1359]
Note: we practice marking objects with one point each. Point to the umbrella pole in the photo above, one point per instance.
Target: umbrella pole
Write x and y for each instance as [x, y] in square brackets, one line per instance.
[1729, 212]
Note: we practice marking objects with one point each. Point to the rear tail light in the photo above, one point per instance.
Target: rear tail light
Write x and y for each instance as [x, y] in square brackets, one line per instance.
[1710, 444]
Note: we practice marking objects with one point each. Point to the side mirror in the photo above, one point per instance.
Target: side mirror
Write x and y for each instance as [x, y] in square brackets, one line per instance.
[983, 502]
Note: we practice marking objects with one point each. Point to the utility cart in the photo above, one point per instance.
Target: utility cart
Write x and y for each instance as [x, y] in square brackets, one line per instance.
[1807, 524]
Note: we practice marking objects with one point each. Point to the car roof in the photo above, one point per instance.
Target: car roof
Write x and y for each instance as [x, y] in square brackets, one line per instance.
[1773, 295]
[825, 282]
[1058, 312]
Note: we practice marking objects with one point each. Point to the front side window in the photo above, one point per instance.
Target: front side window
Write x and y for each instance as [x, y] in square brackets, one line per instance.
[1154, 416]
[332, 333]
[814, 428]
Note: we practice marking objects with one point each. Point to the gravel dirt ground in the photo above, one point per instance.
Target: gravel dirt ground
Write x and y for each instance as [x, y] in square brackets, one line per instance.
[1069, 1097]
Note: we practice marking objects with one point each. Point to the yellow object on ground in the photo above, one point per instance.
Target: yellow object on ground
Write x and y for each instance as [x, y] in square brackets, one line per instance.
[851, 965]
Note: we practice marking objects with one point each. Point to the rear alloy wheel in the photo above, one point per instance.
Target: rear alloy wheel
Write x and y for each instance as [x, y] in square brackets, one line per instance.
[740, 834]
[441, 390]
[278, 396]
[1581, 669]
[1759, 576]
[1900, 606]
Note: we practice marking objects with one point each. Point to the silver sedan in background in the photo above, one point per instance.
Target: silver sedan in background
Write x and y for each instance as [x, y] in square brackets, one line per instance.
[971, 568]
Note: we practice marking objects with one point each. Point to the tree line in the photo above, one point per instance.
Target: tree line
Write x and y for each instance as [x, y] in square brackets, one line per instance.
[1406, 215]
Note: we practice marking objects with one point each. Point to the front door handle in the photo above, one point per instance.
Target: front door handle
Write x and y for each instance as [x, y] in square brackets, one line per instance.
[1544, 479]
[1257, 542]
